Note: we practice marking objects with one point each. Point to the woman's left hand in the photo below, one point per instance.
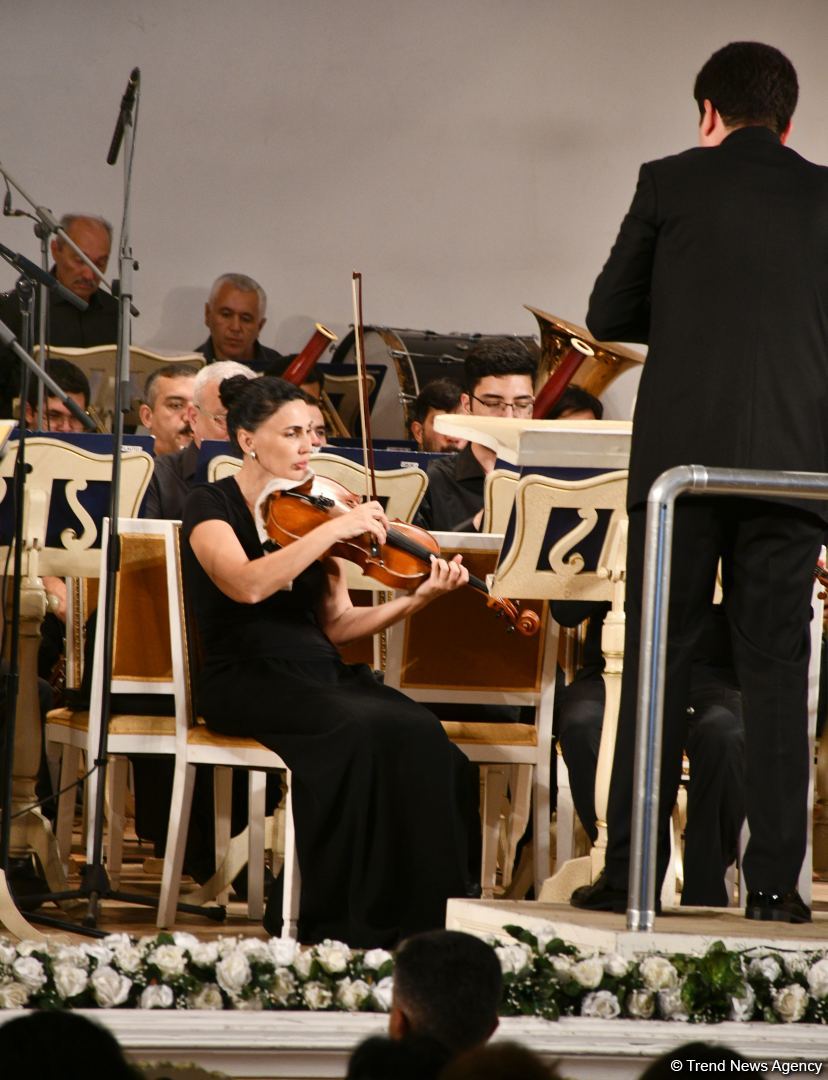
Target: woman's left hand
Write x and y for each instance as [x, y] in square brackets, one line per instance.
[444, 577]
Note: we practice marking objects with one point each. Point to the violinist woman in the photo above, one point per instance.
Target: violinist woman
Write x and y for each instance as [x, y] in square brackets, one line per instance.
[380, 795]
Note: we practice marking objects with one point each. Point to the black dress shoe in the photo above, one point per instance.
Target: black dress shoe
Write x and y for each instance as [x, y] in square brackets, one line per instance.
[777, 907]
[599, 896]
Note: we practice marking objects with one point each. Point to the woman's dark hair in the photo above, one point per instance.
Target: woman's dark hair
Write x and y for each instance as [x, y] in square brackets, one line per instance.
[249, 402]
[61, 1046]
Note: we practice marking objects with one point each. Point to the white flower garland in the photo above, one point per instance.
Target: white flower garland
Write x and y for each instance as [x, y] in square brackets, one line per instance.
[543, 976]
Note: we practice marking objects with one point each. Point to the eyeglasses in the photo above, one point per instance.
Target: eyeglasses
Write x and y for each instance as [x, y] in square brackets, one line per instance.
[217, 418]
[519, 407]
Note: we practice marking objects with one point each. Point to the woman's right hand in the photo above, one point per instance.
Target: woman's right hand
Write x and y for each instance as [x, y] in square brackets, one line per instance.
[366, 518]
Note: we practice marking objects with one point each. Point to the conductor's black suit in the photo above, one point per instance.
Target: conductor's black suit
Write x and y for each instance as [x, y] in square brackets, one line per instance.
[721, 266]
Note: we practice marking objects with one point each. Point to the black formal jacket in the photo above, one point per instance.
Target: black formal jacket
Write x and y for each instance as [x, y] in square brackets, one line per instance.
[264, 359]
[721, 266]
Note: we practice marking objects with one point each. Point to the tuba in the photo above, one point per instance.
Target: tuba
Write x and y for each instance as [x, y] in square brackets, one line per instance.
[570, 354]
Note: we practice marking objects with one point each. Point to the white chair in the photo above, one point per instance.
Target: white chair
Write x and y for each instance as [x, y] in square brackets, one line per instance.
[196, 745]
[456, 650]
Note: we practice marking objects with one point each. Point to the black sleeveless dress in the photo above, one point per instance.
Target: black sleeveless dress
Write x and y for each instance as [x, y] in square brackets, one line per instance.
[380, 796]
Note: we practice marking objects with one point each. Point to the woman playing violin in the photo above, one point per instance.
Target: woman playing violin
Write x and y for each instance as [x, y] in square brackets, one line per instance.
[378, 859]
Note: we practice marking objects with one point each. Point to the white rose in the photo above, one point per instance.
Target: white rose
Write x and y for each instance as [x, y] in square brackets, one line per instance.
[741, 1008]
[790, 1003]
[658, 973]
[765, 967]
[316, 995]
[302, 962]
[204, 953]
[169, 959]
[233, 972]
[382, 993]
[117, 941]
[69, 954]
[547, 932]
[797, 963]
[26, 948]
[671, 1006]
[352, 993]
[333, 956]
[640, 1004]
[562, 965]
[818, 979]
[283, 985]
[128, 957]
[602, 1005]
[98, 952]
[29, 971]
[227, 945]
[185, 941]
[208, 997]
[70, 980]
[8, 953]
[110, 987]
[616, 965]
[513, 958]
[156, 997]
[282, 951]
[589, 972]
[257, 950]
[375, 958]
[13, 995]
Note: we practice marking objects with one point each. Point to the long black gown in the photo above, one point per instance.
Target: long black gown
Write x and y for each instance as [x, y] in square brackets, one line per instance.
[380, 795]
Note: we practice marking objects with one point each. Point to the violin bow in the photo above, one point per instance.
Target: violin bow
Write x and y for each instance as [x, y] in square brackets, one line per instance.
[362, 375]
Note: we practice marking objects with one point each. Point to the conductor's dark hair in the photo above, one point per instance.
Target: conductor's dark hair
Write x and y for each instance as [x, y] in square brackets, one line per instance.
[576, 399]
[499, 356]
[69, 378]
[750, 85]
[448, 985]
[442, 395]
[249, 402]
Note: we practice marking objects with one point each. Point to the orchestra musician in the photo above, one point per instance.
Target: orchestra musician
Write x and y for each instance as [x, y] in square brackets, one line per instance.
[378, 861]
[721, 265]
[436, 397]
[235, 316]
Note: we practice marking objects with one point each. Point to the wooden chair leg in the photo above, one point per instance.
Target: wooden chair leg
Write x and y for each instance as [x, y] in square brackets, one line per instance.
[517, 818]
[117, 781]
[565, 836]
[69, 762]
[256, 783]
[541, 823]
[291, 880]
[180, 805]
[222, 799]
[493, 779]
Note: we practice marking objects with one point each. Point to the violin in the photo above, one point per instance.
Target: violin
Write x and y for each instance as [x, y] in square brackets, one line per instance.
[402, 562]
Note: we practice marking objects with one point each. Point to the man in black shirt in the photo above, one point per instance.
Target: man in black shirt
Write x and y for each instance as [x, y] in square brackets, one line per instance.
[235, 316]
[98, 325]
[499, 376]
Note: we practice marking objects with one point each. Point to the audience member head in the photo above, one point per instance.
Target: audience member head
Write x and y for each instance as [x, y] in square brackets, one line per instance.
[208, 417]
[165, 412]
[498, 1061]
[749, 85]
[699, 1052]
[319, 429]
[251, 403]
[56, 416]
[410, 1058]
[234, 315]
[52, 1045]
[576, 404]
[436, 397]
[93, 235]
[500, 374]
[447, 986]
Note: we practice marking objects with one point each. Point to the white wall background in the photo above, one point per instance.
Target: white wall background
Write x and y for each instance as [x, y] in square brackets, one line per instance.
[469, 156]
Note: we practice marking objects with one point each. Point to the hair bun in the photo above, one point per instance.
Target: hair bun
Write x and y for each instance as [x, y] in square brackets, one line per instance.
[230, 389]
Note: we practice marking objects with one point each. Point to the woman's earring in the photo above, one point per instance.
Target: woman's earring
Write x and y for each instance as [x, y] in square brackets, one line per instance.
[253, 454]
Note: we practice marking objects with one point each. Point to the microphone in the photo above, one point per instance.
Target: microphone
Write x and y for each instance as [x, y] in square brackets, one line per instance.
[7, 207]
[127, 101]
[32, 270]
